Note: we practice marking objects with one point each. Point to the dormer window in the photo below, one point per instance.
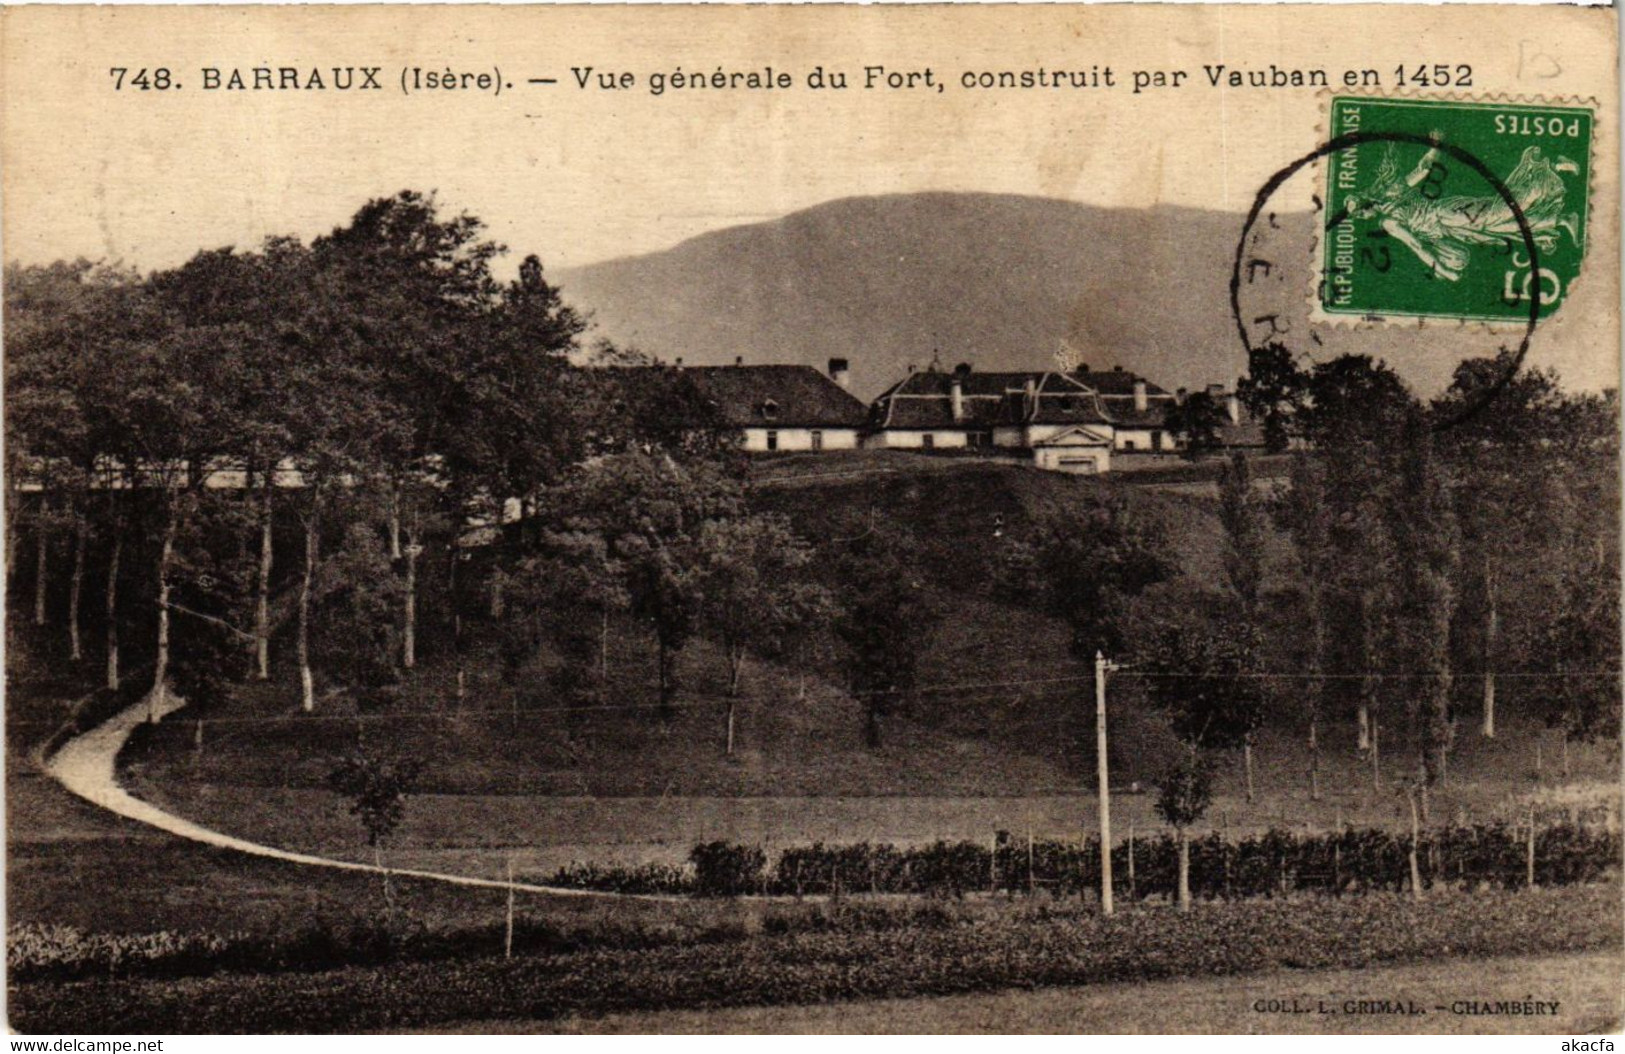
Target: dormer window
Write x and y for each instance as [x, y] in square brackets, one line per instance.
[770, 410]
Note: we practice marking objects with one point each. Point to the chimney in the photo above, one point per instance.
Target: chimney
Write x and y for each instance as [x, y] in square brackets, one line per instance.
[739, 360]
[840, 373]
[911, 368]
[1232, 406]
[1179, 397]
[1215, 391]
[678, 362]
[1030, 403]
[956, 397]
[1139, 396]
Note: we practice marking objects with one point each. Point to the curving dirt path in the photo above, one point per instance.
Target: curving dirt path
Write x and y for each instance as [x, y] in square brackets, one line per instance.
[87, 766]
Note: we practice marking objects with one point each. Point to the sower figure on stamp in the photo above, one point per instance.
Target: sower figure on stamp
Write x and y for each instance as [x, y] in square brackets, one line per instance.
[1441, 229]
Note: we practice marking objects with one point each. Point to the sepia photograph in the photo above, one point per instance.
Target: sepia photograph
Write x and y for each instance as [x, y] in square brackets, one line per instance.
[1033, 519]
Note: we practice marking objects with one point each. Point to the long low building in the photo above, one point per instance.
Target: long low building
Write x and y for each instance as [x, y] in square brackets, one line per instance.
[1071, 421]
[1074, 421]
[785, 407]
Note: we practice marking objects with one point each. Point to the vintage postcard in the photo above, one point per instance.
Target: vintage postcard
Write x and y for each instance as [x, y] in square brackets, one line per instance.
[808, 519]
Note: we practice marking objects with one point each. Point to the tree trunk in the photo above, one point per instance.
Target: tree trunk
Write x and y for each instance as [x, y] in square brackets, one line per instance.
[498, 606]
[112, 608]
[1247, 764]
[262, 606]
[1184, 870]
[1314, 761]
[1317, 687]
[456, 619]
[389, 888]
[1529, 856]
[736, 670]
[1368, 684]
[1376, 762]
[395, 521]
[81, 535]
[12, 502]
[1492, 628]
[307, 680]
[667, 660]
[41, 558]
[409, 632]
[1133, 892]
[161, 664]
[1416, 835]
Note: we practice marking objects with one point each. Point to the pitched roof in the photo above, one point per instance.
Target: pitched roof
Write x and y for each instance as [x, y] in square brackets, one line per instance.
[1116, 388]
[925, 401]
[1121, 411]
[1117, 382]
[782, 396]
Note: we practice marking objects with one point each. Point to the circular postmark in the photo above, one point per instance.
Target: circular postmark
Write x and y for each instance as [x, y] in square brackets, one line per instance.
[1247, 264]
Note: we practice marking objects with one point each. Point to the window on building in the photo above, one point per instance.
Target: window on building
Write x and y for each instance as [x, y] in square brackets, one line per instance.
[817, 440]
[773, 440]
[976, 440]
[1128, 444]
[928, 441]
[770, 410]
[1156, 440]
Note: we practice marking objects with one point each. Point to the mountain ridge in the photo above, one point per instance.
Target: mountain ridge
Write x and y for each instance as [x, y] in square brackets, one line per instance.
[1001, 281]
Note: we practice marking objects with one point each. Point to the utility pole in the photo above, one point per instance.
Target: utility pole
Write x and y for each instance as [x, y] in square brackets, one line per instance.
[1101, 666]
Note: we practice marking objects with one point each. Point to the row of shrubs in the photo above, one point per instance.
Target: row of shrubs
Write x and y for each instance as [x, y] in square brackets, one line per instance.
[1026, 945]
[1270, 864]
[43, 952]
[36, 952]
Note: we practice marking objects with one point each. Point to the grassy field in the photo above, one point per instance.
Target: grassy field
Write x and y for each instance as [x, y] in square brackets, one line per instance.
[70, 863]
[479, 834]
[511, 778]
[509, 774]
[266, 782]
[857, 953]
[1586, 987]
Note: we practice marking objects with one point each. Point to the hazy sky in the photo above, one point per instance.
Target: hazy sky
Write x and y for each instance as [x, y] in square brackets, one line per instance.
[150, 177]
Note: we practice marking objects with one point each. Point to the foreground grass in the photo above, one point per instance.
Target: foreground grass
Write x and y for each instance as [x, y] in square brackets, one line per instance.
[70, 863]
[1021, 947]
[1585, 986]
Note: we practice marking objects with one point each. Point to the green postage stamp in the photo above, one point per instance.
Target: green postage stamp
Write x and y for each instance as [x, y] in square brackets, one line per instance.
[1416, 228]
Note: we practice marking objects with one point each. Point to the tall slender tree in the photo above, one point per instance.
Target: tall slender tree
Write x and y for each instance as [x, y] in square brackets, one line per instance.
[1241, 512]
[1304, 511]
[756, 595]
[1425, 543]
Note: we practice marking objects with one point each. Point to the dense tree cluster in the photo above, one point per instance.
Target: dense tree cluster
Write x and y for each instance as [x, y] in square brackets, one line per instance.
[1444, 548]
[376, 404]
[327, 462]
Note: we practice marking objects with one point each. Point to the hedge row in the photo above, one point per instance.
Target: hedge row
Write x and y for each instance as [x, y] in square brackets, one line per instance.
[1271, 864]
[1029, 946]
[37, 952]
